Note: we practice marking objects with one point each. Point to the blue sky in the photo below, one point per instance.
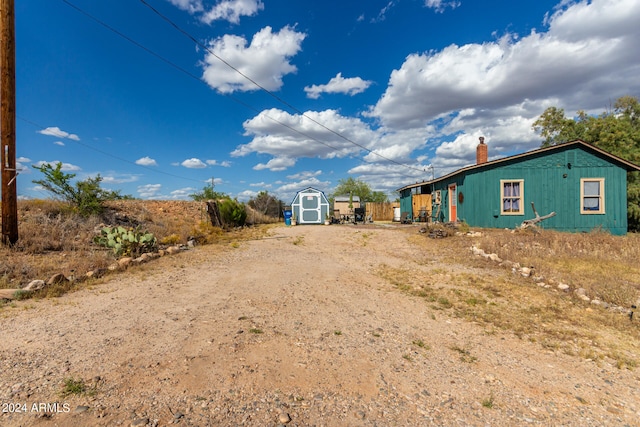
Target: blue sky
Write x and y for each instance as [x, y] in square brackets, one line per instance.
[159, 97]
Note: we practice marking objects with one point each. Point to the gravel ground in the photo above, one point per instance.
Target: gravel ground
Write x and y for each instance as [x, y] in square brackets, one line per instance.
[294, 329]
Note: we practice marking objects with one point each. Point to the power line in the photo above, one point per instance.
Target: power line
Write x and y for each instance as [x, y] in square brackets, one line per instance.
[188, 73]
[262, 88]
[38, 126]
[235, 99]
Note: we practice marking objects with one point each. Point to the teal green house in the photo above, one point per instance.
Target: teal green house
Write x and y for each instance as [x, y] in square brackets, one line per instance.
[585, 186]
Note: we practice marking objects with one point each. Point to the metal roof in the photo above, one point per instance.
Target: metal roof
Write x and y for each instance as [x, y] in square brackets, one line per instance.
[624, 163]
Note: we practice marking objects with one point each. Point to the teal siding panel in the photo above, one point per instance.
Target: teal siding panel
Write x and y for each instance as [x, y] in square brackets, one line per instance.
[405, 202]
[552, 182]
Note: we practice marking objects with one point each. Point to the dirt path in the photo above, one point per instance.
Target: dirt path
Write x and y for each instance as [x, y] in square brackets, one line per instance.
[294, 329]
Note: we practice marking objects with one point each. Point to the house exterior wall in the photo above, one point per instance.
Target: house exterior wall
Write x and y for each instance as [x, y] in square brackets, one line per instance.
[552, 181]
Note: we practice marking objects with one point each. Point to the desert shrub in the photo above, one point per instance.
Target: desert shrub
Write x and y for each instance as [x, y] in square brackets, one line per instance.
[86, 196]
[233, 213]
[206, 233]
[171, 239]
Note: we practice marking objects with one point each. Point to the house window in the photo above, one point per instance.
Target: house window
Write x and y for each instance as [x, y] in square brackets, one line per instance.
[512, 196]
[592, 196]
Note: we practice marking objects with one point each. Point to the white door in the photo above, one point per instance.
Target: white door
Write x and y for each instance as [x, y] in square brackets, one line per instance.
[310, 209]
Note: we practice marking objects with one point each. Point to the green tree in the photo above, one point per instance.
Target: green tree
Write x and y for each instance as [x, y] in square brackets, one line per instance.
[85, 196]
[356, 187]
[207, 193]
[233, 213]
[616, 131]
[266, 204]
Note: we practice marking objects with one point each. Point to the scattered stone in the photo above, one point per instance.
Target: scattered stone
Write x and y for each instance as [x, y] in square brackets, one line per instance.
[125, 262]
[495, 258]
[284, 418]
[172, 250]
[81, 409]
[57, 279]
[97, 273]
[35, 285]
[580, 292]
[140, 422]
[563, 287]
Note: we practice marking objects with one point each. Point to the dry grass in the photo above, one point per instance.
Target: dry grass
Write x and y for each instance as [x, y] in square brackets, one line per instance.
[605, 266]
[486, 293]
[52, 239]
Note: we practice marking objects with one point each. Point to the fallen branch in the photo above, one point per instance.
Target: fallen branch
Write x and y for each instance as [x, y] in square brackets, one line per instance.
[532, 222]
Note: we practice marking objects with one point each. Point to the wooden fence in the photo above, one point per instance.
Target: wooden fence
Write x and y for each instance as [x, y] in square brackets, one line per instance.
[381, 211]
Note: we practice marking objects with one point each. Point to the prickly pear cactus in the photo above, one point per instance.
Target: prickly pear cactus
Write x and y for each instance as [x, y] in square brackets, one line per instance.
[126, 241]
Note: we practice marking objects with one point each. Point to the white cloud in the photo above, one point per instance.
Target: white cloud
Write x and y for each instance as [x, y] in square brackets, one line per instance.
[498, 88]
[338, 84]
[66, 167]
[440, 5]
[20, 165]
[382, 15]
[232, 10]
[305, 174]
[119, 179]
[149, 190]
[58, 133]
[224, 164]
[571, 60]
[246, 195]
[146, 161]
[287, 191]
[191, 6]
[389, 177]
[265, 60]
[272, 133]
[194, 164]
[261, 184]
[60, 143]
[276, 164]
[182, 193]
[226, 10]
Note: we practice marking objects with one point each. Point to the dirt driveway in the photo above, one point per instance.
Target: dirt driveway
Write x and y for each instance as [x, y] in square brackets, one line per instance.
[298, 329]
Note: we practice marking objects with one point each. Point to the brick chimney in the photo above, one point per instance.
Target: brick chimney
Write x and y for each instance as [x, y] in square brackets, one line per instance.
[482, 155]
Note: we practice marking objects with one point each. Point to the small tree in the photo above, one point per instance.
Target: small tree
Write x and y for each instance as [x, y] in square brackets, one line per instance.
[266, 204]
[207, 193]
[85, 196]
[355, 187]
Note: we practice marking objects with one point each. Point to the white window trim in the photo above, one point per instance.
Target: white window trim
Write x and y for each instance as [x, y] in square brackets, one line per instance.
[601, 211]
[521, 197]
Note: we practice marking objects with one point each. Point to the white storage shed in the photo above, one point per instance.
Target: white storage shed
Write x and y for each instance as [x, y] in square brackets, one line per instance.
[310, 206]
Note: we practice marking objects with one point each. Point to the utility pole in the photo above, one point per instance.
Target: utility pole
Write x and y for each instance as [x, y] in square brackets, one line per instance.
[8, 122]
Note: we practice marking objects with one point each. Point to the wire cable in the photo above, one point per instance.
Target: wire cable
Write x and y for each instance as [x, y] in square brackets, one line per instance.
[38, 126]
[234, 98]
[262, 88]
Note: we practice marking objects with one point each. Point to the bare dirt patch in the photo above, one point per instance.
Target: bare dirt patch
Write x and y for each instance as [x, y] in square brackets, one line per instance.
[308, 325]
